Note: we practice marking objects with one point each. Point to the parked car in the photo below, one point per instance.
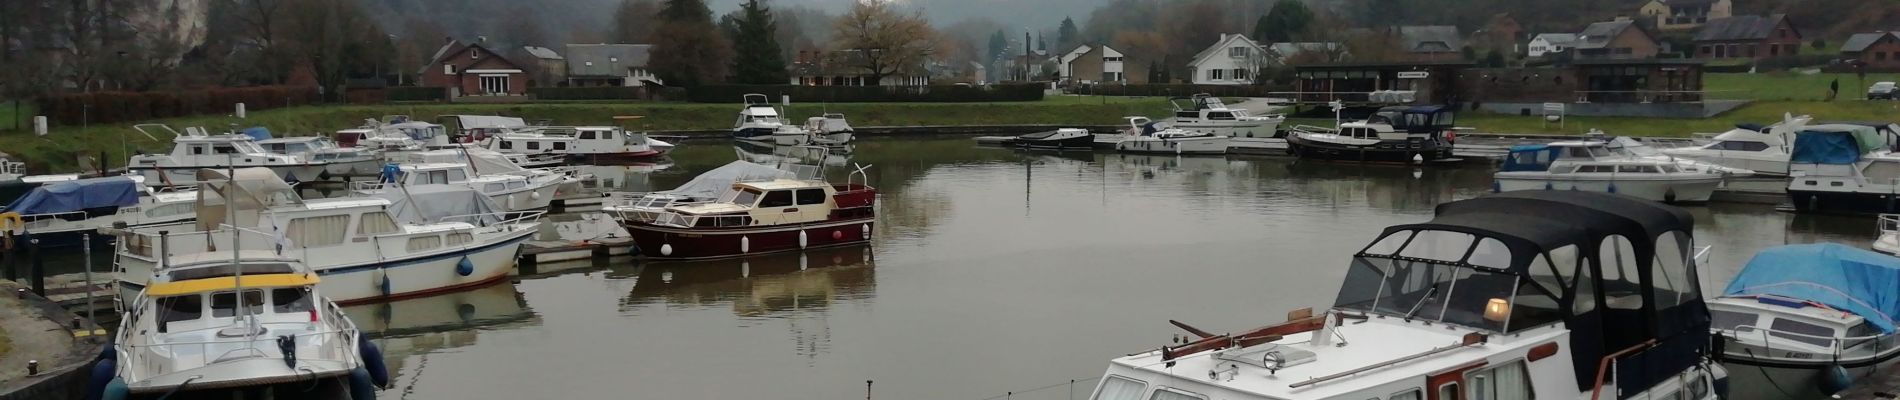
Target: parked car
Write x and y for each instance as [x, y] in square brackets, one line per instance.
[1882, 91]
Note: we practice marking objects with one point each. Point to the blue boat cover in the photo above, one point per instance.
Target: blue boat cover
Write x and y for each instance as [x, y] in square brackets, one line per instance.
[1529, 157]
[257, 133]
[69, 196]
[1845, 278]
[1834, 144]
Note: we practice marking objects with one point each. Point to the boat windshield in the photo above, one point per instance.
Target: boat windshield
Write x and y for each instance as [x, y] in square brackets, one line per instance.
[745, 197]
[1384, 117]
[1443, 276]
[1586, 152]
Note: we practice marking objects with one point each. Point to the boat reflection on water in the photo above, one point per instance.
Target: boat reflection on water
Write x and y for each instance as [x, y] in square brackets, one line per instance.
[768, 154]
[760, 285]
[626, 176]
[420, 326]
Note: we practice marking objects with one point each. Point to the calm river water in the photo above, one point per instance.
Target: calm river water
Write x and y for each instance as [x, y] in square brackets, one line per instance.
[992, 271]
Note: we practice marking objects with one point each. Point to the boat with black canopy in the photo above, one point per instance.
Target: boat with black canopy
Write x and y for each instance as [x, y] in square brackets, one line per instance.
[1551, 295]
[1811, 317]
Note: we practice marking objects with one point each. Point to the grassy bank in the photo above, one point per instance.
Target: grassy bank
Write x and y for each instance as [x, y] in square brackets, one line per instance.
[9, 117]
[1789, 86]
[60, 150]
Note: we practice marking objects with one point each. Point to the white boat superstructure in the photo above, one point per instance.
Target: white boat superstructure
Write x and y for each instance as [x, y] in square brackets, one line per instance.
[1847, 168]
[1889, 240]
[706, 187]
[11, 170]
[1592, 166]
[1638, 150]
[394, 135]
[1148, 136]
[196, 149]
[492, 174]
[340, 161]
[1207, 114]
[1762, 150]
[830, 129]
[759, 121]
[581, 141]
[1467, 306]
[1808, 318]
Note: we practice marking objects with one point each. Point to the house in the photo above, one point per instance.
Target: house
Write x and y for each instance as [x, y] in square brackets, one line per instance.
[545, 66]
[1099, 64]
[1430, 43]
[1380, 83]
[1548, 43]
[469, 69]
[1748, 36]
[1500, 35]
[845, 68]
[1233, 60]
[1619, 39]
[1877, 50]
[610, 65]
[979, 75]
[1672, 15]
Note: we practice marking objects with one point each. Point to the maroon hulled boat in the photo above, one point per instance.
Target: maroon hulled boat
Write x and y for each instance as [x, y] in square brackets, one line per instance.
[758, 217]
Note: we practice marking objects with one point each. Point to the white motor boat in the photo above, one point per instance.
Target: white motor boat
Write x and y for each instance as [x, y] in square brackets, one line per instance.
[1399, 134]
[1469, 306]
[758, 121]
[1590, 166]
[1147, 136]
[1845, 168]
[61, 213]
[703, 188]
[1812, 318]
[1205, 113]
[195, 149]
[340, 161]
[1637, 150]
[10, 170]
[508, 185]
[1763, 150]
[408, 241]
[1060, 139]
[577, 142]
[232, 324]
[393, 136]
[831, 129]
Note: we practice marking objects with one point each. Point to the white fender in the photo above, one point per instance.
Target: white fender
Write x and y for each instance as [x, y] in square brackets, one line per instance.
[801, 238]
[867, 231]
[745, 269]
[666, 249]
[803, 262]
[745, 244]
[534, 195]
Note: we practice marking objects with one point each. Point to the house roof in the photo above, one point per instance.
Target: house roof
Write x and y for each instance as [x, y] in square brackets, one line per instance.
[1288, 49]
[1560, 39]
[1686, 3]
[584, 60]
[1226, 41]
[455, 47]
[1599, 35]
[542, 53]
[452, 45]
[1860, 41]
[1746, 27]
[1431, 39]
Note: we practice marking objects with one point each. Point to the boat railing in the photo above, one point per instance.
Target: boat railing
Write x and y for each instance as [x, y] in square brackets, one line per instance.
[678, 220]
[1849, 347]
[510, 221]
[1311, 129]
[1606, 367]
[142, 242]
[12, 168]
[158, 359]
[1888, 223]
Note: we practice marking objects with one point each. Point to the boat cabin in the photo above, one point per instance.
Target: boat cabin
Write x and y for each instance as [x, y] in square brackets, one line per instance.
[459, 174]
[1580, 157]
[1415, 119]
[1209, 108]
[216, 149]
[203, 292]
[774, 202]
[1791, 323]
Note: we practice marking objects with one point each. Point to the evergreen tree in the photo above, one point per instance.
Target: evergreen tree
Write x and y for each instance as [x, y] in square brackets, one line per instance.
[1040, 43]
[1286, 19]
[691, 51]
[755, 45]
[999, 45]
[1067, 35]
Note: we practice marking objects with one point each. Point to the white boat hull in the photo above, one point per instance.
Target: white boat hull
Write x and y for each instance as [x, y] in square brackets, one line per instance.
[407, 277]
[1199, 145]
[1234, 129]
[534, 199]
[1764, 164]
[790, 138]
[1692, 190]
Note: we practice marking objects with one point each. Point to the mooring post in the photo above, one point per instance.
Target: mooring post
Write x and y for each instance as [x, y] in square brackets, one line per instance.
[91, 309]
[867, 389]
[39, 268]
[7, 258]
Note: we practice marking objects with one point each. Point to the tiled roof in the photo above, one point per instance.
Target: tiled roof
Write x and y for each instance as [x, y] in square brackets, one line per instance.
[1746, 27]
[585, 60]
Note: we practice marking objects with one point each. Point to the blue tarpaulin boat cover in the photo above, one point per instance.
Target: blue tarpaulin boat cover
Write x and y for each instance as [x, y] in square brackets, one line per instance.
[1834, 144]
[69, 196]
[257, 133]
[1845, 278]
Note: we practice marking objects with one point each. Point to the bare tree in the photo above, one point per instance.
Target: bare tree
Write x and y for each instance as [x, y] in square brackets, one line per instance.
[883, 39]
[633, 21]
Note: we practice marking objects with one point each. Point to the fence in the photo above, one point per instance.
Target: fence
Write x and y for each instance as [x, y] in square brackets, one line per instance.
[857, 94]
[110, 107]
[589, 93]
[1177, 90]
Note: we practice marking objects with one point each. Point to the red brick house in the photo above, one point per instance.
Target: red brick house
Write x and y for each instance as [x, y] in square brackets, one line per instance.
[469, 69]
[1748, 36]
[1877, 50]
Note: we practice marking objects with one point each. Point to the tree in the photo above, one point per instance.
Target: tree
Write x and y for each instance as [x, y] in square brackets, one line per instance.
[693, 53]
[758, 59]
[1067, 35]
[1286, 19]
[336, 40]
[633, 21]
[1494, 59]
[999, 45]
[884, 39]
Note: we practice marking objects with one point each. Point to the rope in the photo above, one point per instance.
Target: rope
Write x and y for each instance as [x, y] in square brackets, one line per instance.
[1770, 379]
[1045, 387]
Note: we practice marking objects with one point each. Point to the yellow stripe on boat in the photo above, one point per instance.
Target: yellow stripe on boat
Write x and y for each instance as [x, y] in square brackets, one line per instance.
[230, 282]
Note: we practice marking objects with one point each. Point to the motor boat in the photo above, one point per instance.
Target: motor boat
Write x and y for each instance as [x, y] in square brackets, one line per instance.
[1591, 166]
[1064, 138]
[1762, 150]
[508, 185]
[1811, 317]
[61, 213]
[232, 324]
[758, 121]
[1400, 134]
[758, 217]
[1148, 136]
[394, 135]
[1499, 297]
[1640, 150]
[196, 149]
[339, 161]
[1889, 241]
[14, 181]
[706, 187]
[577, 142]
[1844, 169]
[411, 241]
[1205, 113]
[830, 129]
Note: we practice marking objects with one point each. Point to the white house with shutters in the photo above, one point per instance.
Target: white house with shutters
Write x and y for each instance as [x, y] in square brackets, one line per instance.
[1234, 60]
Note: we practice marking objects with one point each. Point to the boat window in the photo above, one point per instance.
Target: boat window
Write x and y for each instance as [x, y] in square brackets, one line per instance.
[375, 223]
[1738, 145]
[1384, 117]
[197, 149]
[1408, 394]
[1621, 288]
[560, 145]
[1220, 116]
[1730, 320]
[456, 175]
[290, 300]
[811, 196]
[494, 187]
[1175, 394]
[1583, 299]
[1389, 244]
[777, 198]
[317, 231]
[179, 308]
[587, 135]
[223, 149]
[1672, 272]
[1579, 152]
[517, 184]
[609, 135]
[1119, 388]
[507, 145]
[424, 243]
[1801, 332]
[1630, 169]
[1490, 253]
[744, 196]
[169, 210]
[1591, 169]
[1439, 245]
[534, 145]
[225, 304]
[1504, 382]
[1448, 391]
[1666, 168]
[1412, 120]
[1187, 114]
[1445, 118]
[460, 238]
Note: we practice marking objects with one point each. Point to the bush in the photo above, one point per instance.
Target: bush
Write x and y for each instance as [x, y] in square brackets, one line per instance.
[588, 93]
[870, 94]
[417, 93]
[112, 107]
[1179, 90]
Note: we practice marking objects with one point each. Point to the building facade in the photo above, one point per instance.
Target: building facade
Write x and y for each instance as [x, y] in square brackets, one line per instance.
[1748, 36]
[1233, 60]
[1671, 15]
[469, 69]
[1876, 50]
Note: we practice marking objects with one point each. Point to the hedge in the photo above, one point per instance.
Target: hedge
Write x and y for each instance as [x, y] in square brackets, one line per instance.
[111, 107]
[417, 93]
[1179, 90]
[588, 93]
[869, 94]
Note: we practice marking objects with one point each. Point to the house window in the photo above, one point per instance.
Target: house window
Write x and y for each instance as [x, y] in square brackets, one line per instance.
[1879, 56]
[1214, 74]
[1708, 50]
[448, 69]
[1237, 52]
[1111, 59]
[1750, 50]
[474, 54]
[495, 84]
[1240, 74]
[1774, 50]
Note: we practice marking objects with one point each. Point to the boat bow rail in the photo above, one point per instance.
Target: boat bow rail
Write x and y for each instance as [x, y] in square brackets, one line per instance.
[165, 358]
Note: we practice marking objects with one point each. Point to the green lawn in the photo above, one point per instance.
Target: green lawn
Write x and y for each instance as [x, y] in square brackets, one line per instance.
[1786, 86]
[8, 116]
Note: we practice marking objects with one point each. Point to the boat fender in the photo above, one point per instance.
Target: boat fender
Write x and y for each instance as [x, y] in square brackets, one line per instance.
[801, 239]
[534, 195]
[116, 390]
[104, 372]
[389, 173]
[360, 386]
[867, 231]
[837, 235]
[464, 267]
[1834, 380]
[1612, 188]
[1669, 195]
[745, 244]
[373, 362]
[385, 284]
[1547, 186]
[666, 249]
[1497, 187]
[466, 312]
